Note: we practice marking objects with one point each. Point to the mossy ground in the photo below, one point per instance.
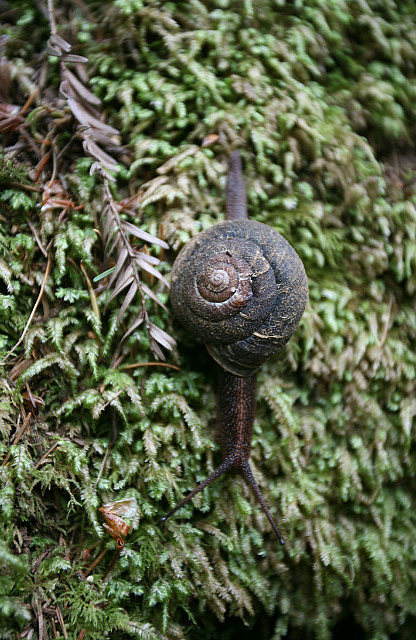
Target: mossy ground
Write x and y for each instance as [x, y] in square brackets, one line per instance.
[320, 96]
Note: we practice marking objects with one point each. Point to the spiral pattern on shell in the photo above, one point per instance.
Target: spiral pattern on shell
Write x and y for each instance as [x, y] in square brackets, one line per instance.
[241, 287]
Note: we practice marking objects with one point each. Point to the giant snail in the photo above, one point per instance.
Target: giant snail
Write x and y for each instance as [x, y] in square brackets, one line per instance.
[241, 287]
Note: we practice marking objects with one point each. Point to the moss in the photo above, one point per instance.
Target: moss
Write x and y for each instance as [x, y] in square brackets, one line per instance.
[319, 97]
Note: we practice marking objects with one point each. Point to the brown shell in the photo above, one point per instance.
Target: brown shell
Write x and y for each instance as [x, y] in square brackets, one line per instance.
[241, 287]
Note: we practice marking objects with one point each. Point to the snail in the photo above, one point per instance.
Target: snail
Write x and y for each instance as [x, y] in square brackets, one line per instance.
[243, 288]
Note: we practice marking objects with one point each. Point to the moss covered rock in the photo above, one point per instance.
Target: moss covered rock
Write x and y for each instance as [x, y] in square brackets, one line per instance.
[320, 98]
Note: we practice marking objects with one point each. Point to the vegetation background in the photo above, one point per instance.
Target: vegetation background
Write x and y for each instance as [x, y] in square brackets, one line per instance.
[117, 119]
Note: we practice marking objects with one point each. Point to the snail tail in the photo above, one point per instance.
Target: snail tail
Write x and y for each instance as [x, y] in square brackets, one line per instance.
[248, 474]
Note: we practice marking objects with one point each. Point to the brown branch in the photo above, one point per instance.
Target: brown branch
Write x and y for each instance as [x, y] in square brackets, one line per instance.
[96, 561]
[61, 622]
[45, 455]
[51, 18]
[385, 330]
[102, 465]
[150, 364]
[93, 298]
[25, 330]
[17, 437]
[38, 242]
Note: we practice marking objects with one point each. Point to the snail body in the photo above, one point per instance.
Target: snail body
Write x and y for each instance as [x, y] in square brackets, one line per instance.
[241, 287]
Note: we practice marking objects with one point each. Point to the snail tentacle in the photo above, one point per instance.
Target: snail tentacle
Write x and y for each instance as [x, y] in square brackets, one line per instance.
[223, 468]
[248, 474]
[236, 191]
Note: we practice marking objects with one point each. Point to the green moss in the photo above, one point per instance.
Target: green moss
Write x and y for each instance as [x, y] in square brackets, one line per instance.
[320, 98]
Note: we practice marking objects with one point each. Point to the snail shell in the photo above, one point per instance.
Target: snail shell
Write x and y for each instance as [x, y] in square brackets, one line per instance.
[241, 287]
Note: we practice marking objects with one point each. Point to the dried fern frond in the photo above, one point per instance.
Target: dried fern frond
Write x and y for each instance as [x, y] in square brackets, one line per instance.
[130, 263]
[84, 105]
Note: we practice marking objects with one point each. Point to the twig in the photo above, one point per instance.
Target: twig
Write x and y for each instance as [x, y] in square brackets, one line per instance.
[45, 455]
[25, 187]
[51, 18]
[112, 563]
[41, 622]
[102, 465]
[25, 330]
[29, 140]
[54, 631]
[38, 242]
[61, 622]
[94, 564]
[386, 325]
[54, 168]
[113, 398]
[28, 102]
[17, 437]
[94, 303]
[41, 165]
[149, 364]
